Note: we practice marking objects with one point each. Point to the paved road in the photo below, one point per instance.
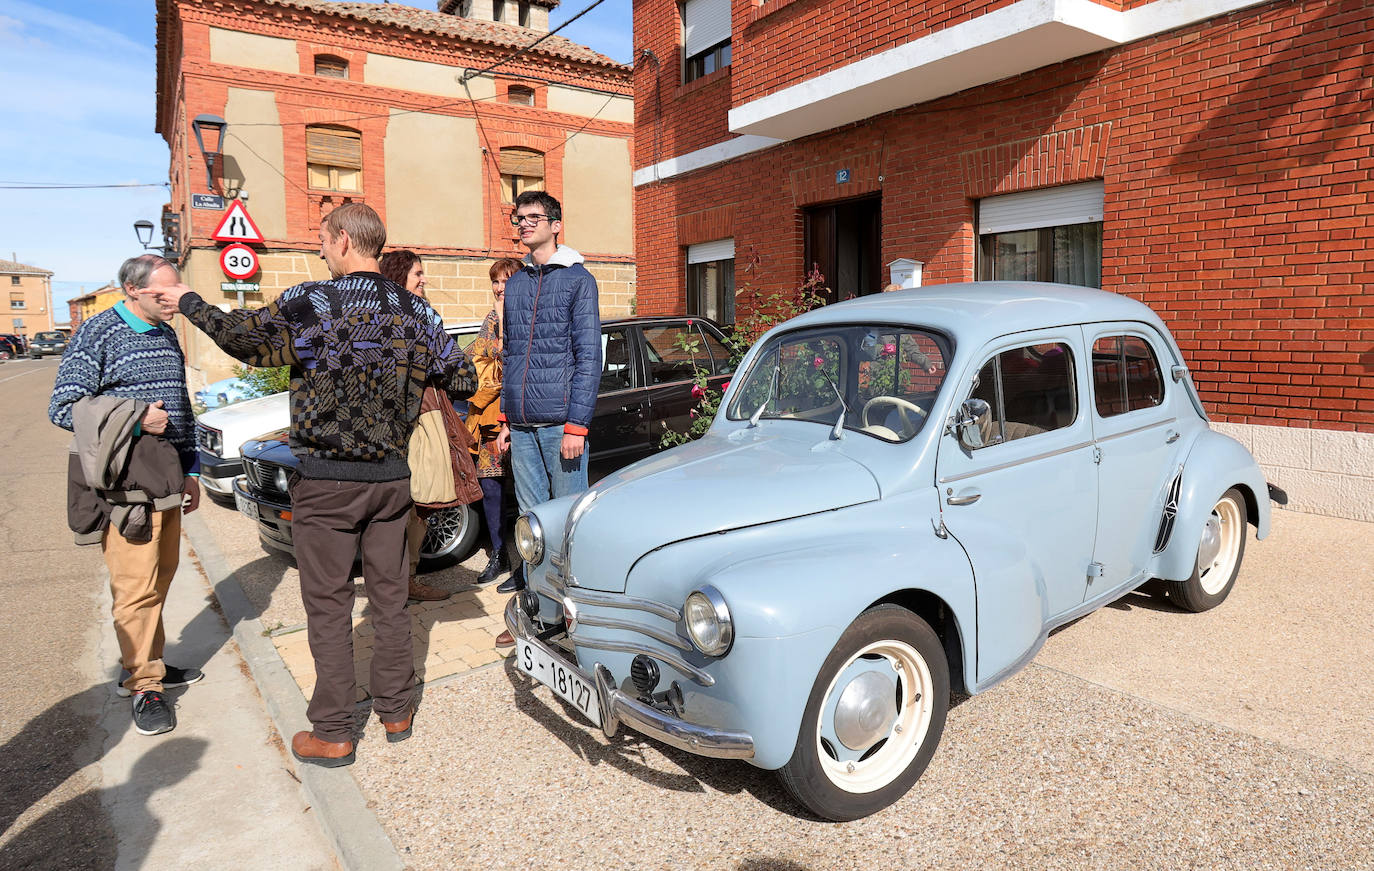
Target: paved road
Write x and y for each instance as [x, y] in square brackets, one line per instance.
[78, 787]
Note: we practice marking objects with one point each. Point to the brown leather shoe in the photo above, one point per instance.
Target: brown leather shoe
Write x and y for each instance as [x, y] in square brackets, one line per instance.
[505, 639]
[425, 593]
[400, 730]
[328, 754]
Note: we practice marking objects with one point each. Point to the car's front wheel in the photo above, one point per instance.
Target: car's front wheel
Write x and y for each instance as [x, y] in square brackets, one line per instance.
[874, 717]
[451, 535]
[1218, 557]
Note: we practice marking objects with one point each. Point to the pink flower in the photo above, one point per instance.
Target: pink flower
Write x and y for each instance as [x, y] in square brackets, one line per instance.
[693, 412]
[724, 387]
[689, 322]
[818, 363]
[890, 348]
[697, 392]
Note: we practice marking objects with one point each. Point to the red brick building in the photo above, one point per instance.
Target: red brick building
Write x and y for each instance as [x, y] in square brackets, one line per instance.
[434, 117]
[1213, 159]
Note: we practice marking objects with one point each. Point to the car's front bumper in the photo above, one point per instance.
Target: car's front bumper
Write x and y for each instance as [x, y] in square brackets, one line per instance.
[274, 529]
[618, 707]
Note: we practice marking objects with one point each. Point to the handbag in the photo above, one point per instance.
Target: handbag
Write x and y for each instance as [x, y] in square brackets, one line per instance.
[440, 456]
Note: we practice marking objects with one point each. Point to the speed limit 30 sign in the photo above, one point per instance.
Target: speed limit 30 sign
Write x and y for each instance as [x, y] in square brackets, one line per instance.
[238, 261]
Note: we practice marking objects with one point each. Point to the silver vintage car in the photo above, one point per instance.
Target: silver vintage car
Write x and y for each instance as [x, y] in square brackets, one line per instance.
[901, 496]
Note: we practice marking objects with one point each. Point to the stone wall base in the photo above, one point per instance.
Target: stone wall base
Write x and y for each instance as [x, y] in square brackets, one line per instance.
[1323, 471]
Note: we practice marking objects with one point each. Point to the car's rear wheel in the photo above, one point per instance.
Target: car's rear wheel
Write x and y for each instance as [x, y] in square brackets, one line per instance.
[874, 717]
[451, 536]
[1219, 555]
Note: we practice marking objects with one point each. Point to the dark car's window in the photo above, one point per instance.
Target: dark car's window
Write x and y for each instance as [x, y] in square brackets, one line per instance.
[1030, 391]
[675, 351]
[616, 369]
[721, 364]
[1126, 375]
[49, 337]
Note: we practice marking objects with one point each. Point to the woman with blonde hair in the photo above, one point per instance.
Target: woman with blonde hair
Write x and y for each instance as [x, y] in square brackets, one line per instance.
[484, 409]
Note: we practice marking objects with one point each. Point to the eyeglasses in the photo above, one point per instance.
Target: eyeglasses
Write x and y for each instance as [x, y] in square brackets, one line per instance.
[528, 220]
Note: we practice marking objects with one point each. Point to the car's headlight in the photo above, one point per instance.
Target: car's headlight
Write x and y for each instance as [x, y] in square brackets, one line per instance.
[708, 621]
[282, 481]
[529, 539]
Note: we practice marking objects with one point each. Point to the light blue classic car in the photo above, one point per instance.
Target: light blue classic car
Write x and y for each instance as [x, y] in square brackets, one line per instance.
[901, 497]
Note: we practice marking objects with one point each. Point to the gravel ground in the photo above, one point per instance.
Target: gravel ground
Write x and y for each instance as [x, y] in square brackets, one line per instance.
[1047, 771]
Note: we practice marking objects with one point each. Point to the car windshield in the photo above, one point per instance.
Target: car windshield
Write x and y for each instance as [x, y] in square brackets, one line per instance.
[47, 336]
[886, 378]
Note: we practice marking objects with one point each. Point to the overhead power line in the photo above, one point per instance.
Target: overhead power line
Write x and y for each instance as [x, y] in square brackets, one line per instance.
[68, 186]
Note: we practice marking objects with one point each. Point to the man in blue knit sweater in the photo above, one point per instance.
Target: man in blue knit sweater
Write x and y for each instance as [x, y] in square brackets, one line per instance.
[129, 351]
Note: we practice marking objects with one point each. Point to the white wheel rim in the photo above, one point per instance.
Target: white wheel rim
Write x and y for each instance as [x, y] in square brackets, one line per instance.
[1227, 524]
[867, 770]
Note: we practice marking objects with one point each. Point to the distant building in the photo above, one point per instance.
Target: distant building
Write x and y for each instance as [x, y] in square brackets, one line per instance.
[83, 308]
[1212, 158]
[428, 116]
[30, 294]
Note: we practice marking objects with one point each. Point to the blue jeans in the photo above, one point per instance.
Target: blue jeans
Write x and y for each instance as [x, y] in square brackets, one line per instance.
[540, 471]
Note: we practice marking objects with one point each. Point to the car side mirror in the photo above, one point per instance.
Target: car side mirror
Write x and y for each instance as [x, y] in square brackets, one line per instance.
[968, 426]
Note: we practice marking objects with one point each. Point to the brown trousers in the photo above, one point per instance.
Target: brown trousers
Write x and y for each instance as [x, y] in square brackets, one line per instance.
[140, 575]
[331, 519]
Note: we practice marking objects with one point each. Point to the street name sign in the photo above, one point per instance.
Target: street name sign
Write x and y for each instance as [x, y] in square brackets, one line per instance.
[207, 201]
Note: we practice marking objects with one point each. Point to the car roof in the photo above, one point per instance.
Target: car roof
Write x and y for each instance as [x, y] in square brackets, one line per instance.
[656, 319]
[982, 310]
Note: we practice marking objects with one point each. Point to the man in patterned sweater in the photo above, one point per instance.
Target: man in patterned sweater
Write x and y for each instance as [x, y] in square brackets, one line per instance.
[360, 350]
[129, 351]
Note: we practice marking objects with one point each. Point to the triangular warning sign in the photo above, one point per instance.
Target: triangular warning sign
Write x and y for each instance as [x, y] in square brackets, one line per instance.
[237, 226]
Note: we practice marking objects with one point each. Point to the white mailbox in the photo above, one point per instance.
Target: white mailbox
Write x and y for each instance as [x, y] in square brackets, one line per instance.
[905, 273]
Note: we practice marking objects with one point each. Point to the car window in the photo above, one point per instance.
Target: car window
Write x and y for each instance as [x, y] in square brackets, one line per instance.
[616, 370]
[49, 336]
[1030, 391]
[675, 352]
[721, 364]
[1126, 375]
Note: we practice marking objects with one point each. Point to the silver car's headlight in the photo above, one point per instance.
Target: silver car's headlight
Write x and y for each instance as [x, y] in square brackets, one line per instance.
[529, 539]
[708, 621]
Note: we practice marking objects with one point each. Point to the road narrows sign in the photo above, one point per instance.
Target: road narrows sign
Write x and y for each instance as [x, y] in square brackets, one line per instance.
[238, 261]
[237, 226]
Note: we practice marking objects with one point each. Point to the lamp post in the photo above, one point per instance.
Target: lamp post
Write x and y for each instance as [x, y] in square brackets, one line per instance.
[143, 229]
[215, 127]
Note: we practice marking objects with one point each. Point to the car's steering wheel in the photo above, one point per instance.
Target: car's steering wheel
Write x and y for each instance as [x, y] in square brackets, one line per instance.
[904, 409]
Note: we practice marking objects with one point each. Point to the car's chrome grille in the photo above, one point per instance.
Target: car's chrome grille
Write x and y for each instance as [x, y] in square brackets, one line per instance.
[262, 478]
[206, 438]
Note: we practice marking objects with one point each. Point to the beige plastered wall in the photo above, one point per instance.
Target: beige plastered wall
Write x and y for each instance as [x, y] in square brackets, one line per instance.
[598, 198]
[424, 77]
[458, 288]
[253, 50]
[433, 181]
[1323, 471]
[605, 107]
[254, 144]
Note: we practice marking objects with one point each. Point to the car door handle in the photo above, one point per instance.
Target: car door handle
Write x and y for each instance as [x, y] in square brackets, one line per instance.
[632, 407]
[967, 499]
[1173, 437]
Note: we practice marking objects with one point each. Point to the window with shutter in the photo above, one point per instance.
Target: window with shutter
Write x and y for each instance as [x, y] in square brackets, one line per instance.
[522, 169]
[329, 65]
[520, 95]
[334, 158]
[705, 37]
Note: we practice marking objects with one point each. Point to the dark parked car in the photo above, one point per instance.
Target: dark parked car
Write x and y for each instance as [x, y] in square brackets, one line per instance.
[646, 390]
[11, 346]
[47, 343]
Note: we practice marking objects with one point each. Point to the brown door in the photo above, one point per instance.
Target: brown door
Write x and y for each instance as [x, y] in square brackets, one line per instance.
[844, 240]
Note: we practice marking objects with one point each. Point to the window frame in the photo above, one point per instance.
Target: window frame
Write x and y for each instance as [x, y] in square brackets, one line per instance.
[1125, 397]
[340, 66]
[513, 184]
[998, 403]
[703, 63]
[329, 163]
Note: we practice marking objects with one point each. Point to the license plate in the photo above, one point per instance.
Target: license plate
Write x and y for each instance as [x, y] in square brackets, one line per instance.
[555, 674]
[247, 506]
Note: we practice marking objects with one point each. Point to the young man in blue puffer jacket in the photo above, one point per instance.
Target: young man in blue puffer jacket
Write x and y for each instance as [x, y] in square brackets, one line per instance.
[552, 330]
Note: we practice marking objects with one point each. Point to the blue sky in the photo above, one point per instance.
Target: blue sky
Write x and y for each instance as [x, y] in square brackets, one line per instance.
[78, 79]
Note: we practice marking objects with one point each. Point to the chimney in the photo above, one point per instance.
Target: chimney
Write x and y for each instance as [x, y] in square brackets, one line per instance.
[529, 14]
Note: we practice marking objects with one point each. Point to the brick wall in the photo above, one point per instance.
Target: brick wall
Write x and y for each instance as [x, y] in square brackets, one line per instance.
[1237, 157]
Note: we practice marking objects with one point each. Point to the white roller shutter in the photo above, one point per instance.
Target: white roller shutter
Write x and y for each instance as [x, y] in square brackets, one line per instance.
[706, 252]
[1050, 207]
[705, 23]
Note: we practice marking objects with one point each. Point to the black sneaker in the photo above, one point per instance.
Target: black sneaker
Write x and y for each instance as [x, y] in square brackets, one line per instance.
[153, 714]
[175, 677]
[497, 566]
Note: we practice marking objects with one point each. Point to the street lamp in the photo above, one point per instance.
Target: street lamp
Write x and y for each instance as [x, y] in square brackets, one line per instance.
[215, 126]
[144, 231]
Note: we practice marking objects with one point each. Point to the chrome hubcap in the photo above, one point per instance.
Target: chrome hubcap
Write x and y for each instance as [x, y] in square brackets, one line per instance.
[1210, 545]
[866, 711]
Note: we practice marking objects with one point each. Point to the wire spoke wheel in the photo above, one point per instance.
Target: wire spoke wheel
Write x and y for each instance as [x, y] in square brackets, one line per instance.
[450, 534]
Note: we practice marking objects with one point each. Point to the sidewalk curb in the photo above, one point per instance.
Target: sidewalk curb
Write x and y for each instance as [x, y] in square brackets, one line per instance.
[360, 842]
